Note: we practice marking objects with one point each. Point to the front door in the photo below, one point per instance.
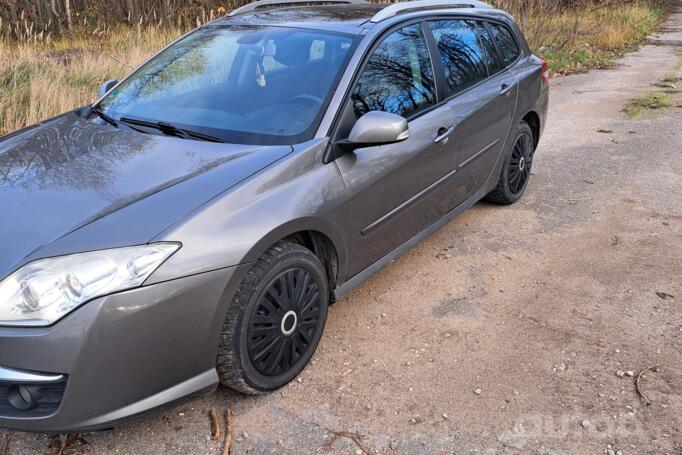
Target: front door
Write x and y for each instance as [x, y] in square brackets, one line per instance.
[397, 190]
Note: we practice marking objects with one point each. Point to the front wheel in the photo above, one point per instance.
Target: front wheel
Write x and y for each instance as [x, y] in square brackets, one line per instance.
[515, 173]
[275, 321]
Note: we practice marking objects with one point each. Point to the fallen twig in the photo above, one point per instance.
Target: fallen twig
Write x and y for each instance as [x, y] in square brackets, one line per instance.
[216, 425]
[229, 423]
[65, 441]
[4, 443]
[664, 295]
[336, 435]
[637, 383]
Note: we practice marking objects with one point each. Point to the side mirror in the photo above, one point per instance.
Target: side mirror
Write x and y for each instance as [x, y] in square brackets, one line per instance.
[376, 128]
[104, 88]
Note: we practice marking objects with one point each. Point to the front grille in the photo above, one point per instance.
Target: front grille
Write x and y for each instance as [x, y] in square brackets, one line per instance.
[49, 397]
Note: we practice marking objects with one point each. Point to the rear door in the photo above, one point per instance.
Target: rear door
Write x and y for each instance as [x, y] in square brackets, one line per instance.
[397, 190]
[481, 97]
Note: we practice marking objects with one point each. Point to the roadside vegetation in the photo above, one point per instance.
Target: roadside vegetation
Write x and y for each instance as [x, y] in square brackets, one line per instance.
[591, 36]
[651, 102]
[665, 96]
[39, 79]
[54, 59]
[671, 79]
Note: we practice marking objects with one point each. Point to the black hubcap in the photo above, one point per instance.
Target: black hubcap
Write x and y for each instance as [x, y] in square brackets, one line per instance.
[283, 326]
[520, 163]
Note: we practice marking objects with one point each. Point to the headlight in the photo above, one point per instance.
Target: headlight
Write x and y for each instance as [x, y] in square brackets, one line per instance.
[42, 292]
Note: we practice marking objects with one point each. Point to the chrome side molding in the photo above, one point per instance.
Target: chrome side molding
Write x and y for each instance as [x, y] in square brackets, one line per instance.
[22, 377]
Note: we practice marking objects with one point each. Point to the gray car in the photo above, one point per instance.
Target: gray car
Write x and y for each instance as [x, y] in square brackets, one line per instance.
[192, 226]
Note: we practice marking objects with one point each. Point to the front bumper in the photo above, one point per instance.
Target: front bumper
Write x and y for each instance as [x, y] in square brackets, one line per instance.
[117, 357]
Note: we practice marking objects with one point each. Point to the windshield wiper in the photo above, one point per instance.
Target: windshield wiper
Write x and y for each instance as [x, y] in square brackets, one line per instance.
[103, 116]
[171, 130]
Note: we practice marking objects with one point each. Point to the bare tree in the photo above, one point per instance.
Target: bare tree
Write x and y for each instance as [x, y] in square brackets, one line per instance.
[67, 7]
[55, 15]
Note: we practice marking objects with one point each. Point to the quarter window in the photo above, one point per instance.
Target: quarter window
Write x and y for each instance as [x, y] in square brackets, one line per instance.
[461, 53]
[398, 77]
[506, 43]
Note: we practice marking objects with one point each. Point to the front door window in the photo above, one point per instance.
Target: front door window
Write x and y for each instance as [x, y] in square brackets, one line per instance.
[398, 77]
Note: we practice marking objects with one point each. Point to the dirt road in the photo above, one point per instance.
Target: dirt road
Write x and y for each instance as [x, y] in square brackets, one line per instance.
[511, 330]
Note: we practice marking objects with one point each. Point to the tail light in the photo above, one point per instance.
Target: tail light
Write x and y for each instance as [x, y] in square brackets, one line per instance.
[545, 71]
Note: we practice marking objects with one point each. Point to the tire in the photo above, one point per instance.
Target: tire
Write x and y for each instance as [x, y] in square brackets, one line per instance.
[282, 305]
[518, 161]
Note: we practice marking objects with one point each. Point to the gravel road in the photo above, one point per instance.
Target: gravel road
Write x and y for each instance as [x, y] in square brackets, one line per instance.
[511, 330]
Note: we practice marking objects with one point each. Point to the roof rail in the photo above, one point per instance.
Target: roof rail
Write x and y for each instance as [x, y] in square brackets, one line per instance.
[266, 4]
[402, 7]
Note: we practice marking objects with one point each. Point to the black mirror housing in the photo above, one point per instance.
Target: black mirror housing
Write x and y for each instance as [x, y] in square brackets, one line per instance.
[105, 87]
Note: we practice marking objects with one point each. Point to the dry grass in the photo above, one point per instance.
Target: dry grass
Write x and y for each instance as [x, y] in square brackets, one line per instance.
[592, 36]
[42, 80]
[43, 76]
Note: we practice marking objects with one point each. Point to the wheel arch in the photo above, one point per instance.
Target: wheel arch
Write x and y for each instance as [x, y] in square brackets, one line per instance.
[318, 235]
[323, 247]
[533, 120]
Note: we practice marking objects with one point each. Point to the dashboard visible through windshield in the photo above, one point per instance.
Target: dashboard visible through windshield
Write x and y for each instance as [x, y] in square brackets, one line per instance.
[240, 84]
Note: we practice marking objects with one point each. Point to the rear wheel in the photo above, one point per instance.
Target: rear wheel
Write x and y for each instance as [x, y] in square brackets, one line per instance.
[275, 321]
[516, 168]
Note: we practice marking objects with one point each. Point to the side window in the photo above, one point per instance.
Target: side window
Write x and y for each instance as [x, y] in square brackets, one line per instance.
[494, 62]
[505, 42]
[317, 50]
[461, 53]
[282, 54]
[398, 77]
[269, 63]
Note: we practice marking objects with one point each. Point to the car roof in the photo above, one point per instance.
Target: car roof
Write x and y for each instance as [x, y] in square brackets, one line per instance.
[347, 18]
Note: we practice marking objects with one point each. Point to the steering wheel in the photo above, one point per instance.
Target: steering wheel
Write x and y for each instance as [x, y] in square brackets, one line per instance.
[307, 100]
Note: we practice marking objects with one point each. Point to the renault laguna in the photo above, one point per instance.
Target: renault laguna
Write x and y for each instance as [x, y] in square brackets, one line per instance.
[192, 226]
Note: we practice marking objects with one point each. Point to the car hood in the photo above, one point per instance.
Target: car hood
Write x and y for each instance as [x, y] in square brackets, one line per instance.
[67, 173]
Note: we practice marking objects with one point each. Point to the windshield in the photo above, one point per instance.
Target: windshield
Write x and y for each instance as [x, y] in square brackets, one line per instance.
[242, 84]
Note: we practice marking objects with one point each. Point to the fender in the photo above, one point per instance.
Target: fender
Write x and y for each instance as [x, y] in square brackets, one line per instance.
[303, 224]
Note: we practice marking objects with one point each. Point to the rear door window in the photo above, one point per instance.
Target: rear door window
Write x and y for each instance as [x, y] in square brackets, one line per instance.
[398, 77]
[506, 43]
[461, 53]
[494, 61]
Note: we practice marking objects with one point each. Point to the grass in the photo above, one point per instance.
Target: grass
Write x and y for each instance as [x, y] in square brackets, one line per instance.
[43, 75]
[652, 101]
[671, 79]
[39, 80]
[590, 37]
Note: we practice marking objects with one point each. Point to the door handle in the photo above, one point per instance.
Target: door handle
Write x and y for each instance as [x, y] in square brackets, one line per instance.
[443, 134]
[506, 89]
